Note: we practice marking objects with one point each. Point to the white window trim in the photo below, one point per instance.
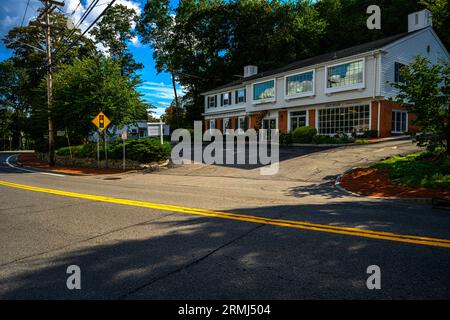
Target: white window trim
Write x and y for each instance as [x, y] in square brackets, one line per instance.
[245, 97]
[343, 106]
[406, 119]
[230, 102]
[361, 85]
[239, 122]
[296, 110]
[215, 104]
[212, 121]
[267, 99]
[303, 94]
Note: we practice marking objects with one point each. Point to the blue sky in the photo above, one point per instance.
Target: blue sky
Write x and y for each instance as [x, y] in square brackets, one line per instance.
[156, 88]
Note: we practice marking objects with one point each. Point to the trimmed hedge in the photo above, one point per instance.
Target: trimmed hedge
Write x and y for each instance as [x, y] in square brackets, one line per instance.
[143, 150]
[304, 134]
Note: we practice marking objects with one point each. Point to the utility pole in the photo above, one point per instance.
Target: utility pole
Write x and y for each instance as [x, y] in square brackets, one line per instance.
[49, 6]
[51, 134]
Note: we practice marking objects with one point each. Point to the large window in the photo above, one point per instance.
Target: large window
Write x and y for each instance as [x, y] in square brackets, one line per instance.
[212, 101]
[346, 75]
[344, 119]
[399, 121]
[300, 84]
[226, 124]
[264, 91]
[239, 96]
[212, 124]
[297, 119]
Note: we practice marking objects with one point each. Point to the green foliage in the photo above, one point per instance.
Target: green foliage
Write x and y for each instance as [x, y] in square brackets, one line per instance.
[304, 134]
[85, 88]
[320, 139]
[368, 134]
[286, 138]
[114, 32]
[143, 150]
[423, 169]
[426, 93]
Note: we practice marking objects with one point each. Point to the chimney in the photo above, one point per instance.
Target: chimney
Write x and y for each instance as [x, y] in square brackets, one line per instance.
[419, 20]
[250, 71]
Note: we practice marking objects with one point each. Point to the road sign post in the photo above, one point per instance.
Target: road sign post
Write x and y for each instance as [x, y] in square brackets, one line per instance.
[98, 150]
[161, 131]
[124, 137]
[101, 121]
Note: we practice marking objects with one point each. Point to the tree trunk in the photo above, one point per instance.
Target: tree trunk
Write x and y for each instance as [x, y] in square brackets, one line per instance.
[177, 107]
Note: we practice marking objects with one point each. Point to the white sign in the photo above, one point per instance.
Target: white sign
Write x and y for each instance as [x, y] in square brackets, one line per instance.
[124, 135]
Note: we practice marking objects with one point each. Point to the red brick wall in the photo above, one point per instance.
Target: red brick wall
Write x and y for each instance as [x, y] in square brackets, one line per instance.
[312, 118]
[251, 121]
[374, 119]
[282, 121]
[386, 118]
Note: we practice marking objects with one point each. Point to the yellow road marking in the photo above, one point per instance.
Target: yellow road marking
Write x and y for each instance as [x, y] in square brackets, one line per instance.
[248, 218]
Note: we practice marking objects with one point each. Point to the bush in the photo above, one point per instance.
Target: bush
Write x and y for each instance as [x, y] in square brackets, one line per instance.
[371, 134]
[286, 138]
[318, 139]
[142, 150]
[304, 134]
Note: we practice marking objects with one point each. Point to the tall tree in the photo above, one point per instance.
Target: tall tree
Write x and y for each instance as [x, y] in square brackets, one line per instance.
[207, 43]
[425, 91]
[82, 90]
[115, 31]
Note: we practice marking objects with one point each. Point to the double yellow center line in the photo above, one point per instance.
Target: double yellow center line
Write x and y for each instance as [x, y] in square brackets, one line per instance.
[247, 218]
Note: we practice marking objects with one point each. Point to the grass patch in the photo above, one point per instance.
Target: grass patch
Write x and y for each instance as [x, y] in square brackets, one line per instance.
[422, 169]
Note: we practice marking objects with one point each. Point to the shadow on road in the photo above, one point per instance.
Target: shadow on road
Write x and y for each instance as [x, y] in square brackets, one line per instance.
[189, 257]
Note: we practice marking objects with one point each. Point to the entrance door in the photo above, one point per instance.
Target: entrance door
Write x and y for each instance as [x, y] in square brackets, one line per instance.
[269, 124]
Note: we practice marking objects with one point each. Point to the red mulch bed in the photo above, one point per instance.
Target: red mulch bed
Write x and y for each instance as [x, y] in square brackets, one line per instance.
[376, 183]
[30, 160]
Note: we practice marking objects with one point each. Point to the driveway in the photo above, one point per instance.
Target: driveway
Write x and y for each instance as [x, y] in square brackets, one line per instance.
[306, 164]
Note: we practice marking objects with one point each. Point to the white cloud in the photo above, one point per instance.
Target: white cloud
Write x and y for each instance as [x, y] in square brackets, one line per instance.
[159, 94]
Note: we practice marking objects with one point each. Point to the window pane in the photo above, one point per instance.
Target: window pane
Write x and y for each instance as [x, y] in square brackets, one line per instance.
[345, 74]
[264, 90]
[299, 83]
[344, 119]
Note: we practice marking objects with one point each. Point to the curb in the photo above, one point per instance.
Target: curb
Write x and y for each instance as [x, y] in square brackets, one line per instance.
[337, 184]
[399, 138]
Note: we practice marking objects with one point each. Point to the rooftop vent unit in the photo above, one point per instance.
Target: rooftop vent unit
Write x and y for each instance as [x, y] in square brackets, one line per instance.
[250, 71]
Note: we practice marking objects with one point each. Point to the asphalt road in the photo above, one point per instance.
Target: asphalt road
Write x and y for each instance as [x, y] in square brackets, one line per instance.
[141, 250]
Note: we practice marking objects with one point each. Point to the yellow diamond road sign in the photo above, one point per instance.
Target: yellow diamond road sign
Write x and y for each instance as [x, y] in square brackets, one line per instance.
[101, 121]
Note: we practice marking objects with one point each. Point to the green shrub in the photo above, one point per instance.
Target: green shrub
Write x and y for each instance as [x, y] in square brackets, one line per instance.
[81, 151]
[371, 134]
[286, 138]
[304, 134]
[319, 139]
[142, 150]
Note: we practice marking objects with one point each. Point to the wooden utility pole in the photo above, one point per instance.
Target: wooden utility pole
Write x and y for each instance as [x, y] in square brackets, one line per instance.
[51, 134]
[49, 6]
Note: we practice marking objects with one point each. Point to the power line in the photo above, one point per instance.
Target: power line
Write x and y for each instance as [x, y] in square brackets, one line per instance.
[82, 18]
[81, 35]
[25, 13]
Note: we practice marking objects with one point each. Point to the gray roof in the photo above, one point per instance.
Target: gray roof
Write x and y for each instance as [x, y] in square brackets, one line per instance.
[362, 48]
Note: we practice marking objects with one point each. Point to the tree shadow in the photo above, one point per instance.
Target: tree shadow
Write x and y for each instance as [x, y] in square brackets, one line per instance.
[190, 257]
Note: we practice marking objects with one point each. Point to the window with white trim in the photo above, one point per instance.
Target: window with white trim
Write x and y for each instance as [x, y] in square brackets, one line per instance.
[212, 124]
[300, 84]
[240, 96]
[225, 99]
[399, 121]
[346, 74]
[212, 101]
[344, 119]
[264, 91]
[242, 124]
[297, 119]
